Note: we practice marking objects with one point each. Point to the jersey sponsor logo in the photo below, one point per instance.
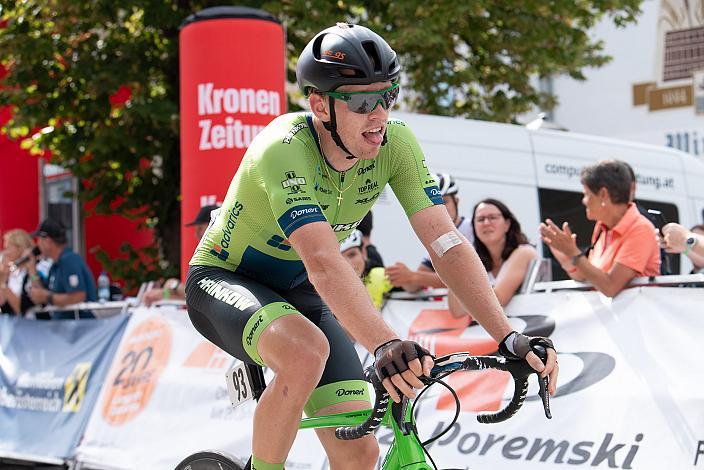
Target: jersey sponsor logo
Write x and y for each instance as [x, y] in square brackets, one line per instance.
[295, 213]
[220, 252]
[367, 200]
[227, 229]
[433, 194]
[345, 227]
[341, 392]
[319, 188]
[291, 200]
[362, 171]
[368, 187]
[279, 242]
[230, 297]
[256, 325]
[73, 280]
[293, 183]
[295, 130]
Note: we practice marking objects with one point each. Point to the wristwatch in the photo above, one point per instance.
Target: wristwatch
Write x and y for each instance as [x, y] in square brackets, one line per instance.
[689, 243]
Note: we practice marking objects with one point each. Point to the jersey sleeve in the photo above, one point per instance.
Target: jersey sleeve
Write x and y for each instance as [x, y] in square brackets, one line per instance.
[288, 183]
[410, 179]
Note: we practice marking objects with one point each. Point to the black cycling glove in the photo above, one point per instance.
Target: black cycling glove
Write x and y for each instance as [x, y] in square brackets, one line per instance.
[521, 345]
[392, 358]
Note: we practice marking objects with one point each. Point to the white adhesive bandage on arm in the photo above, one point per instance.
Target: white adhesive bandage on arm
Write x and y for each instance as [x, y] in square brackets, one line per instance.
[444, 242]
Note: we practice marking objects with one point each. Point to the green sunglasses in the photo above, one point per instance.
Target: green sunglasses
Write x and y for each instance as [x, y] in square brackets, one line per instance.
[364, 102]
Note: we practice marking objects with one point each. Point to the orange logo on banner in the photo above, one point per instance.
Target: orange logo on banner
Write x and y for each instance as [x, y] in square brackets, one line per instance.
[208, 356]
[441, 333]
[139, 363]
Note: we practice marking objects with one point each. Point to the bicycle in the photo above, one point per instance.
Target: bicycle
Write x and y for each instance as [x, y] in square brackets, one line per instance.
[406, 450]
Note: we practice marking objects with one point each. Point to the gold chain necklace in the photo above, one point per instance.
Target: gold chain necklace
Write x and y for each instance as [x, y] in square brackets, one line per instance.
[325, 165]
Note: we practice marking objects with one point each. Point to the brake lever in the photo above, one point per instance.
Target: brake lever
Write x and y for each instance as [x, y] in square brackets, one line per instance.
[543, 382]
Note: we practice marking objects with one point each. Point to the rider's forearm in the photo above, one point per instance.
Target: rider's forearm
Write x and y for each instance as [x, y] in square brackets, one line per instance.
[343, 291]
[464, 274]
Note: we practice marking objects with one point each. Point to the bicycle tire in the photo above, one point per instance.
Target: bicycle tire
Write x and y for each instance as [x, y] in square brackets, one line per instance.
[209, 460]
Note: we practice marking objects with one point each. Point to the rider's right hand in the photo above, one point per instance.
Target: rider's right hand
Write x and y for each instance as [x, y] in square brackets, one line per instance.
[398, 366]
[519, 346]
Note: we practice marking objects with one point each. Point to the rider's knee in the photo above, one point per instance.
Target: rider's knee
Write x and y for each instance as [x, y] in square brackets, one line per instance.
[312, 358]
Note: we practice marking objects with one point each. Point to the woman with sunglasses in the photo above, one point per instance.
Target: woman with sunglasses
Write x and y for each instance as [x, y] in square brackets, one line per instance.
[268, 266]
[503, 249]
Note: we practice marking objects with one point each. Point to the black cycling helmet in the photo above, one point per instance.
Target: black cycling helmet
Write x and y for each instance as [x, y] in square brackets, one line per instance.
[345, 54]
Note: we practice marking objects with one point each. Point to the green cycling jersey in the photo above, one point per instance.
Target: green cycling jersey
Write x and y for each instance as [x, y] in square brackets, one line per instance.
[284, 183]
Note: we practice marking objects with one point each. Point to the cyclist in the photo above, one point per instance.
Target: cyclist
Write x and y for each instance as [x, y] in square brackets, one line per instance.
[268, 266]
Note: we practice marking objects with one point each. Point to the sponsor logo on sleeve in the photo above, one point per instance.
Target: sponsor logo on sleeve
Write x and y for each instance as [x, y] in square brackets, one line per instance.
[295, 130]
[293, 183]
[433, 194]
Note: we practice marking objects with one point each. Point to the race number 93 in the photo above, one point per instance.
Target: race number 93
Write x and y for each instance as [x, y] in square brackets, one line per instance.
[143, 355]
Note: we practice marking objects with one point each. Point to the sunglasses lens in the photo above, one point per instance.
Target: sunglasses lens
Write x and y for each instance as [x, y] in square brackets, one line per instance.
[365, 103]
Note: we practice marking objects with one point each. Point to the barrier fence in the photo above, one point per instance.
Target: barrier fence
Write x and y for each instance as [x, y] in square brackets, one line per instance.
[144, 390]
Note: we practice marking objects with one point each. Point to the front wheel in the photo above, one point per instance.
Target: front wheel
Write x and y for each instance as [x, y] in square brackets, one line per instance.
[209, 460]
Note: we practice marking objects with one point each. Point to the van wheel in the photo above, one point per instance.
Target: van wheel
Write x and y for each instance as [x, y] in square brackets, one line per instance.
[209, 460]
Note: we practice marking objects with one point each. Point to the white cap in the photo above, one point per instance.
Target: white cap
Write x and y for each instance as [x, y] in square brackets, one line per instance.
[352, 241]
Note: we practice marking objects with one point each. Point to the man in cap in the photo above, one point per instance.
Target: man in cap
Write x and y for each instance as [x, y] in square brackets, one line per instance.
[70, 281]
[173, 288]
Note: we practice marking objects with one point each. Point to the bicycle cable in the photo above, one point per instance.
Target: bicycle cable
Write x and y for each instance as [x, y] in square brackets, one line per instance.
[444, 431]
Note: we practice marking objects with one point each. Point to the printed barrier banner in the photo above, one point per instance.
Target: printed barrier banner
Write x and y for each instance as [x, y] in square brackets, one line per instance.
[50, 376]
[629, 393]
[166, 398]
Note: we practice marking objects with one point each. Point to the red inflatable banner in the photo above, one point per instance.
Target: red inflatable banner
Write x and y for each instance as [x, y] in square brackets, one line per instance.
[232, 68]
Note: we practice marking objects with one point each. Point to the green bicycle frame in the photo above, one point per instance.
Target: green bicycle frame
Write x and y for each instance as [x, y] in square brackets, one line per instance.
[405, 451]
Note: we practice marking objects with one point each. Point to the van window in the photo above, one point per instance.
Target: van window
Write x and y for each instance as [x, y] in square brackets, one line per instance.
[566, 206]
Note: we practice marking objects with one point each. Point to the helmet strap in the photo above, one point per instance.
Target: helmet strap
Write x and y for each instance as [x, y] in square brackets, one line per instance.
[332, 127]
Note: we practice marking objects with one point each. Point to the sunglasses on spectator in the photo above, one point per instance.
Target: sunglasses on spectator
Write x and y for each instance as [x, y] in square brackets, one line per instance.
[364, 102]
[488, 218]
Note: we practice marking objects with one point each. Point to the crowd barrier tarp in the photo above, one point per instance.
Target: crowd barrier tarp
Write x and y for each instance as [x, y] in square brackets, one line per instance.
[166, 397]
[50, 376]
[629, 394]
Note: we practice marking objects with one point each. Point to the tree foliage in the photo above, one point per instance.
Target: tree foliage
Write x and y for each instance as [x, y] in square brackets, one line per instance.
[67, 58]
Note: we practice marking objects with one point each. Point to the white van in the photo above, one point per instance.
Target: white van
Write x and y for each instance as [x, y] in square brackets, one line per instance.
[536, 173]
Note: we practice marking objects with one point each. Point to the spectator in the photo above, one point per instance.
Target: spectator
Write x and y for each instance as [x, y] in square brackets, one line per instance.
[375, 280]
[372, 255]
[70, 280]
[678, 239]
[172, 288]
[623, 246]
[425, 276]
[14, 279]
[503, 249]
[655, 217]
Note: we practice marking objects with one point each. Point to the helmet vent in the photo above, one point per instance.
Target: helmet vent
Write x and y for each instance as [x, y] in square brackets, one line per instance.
[370, 49]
